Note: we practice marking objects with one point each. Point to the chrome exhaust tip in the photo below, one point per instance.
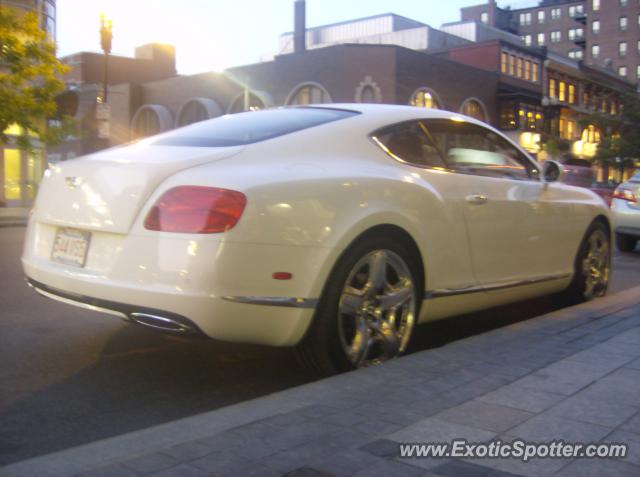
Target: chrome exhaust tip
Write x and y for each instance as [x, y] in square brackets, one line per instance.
[162, 323]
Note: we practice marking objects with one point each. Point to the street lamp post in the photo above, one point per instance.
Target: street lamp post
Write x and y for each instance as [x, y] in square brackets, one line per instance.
[106, 36]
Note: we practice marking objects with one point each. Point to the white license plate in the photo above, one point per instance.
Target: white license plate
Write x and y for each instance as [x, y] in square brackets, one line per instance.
[70, 247]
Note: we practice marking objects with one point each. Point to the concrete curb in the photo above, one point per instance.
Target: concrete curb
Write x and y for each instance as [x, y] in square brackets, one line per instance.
[128, 446]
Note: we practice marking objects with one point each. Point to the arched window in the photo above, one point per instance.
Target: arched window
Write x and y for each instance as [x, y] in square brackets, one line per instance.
[591, 134]
[474, 108]
[197, 109]
[150, 119]
[254, 103]
[425, 98]
[309, 93]
[368, 95]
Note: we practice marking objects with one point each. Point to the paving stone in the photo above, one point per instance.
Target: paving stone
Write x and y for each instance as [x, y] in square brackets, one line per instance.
[182, 470]
[347, 463]
[307, 472]
[584, 408]
[317, 410]
[635, 364]
[544, 427]
[187, 451]
[345, 418]
[220, 462]
[377, 427]
[251, 469]
[629, 438]
[599, 468]
[438, 430]
[377, 410]
[632, 425]
[622, 386]
[389, 468]
[459, 468]
[150, 463]
[591, 356]
[518, 397]
[531, 468]
[112, 470]
[482, 415]
[631, 336]
[382, 448]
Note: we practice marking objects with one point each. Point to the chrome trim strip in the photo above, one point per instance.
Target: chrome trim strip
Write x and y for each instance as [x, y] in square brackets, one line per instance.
[429, 294]
[288, 302]
[79, 304]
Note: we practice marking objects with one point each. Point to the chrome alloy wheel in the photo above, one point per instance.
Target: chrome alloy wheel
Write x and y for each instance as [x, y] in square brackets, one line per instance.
[376, 311]
[596, 265]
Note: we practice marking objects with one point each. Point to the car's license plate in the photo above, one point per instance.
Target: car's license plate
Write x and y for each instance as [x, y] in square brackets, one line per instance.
[71, 246]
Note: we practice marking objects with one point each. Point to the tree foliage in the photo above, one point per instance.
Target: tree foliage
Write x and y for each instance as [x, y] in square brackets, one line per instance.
[29, 79]
[620, 135]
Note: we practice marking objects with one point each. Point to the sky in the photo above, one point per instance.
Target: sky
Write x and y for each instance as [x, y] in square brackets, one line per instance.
[211, 35]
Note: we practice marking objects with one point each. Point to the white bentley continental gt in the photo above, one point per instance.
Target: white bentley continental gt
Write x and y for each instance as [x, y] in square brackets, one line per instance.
[331, 228]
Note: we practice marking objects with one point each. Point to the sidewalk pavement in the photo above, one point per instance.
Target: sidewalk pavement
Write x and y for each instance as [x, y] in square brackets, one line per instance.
[13, 216]
[573, 374]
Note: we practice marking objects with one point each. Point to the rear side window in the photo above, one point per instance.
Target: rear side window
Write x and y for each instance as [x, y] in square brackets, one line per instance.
[246, 128]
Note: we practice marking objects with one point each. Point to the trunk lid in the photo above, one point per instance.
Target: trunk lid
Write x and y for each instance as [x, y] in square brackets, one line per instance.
[105, 191]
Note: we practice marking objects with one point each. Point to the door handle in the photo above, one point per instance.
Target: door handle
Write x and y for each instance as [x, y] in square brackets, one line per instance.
[477, 199]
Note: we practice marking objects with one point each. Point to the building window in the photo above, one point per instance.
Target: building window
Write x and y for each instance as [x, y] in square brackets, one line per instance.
[519, 73]
[526, 39]
[556, 13]
[575, 54]
[534, 72]
[425, 98]
[576, 10]
[484, 17]
[552, 88]
[595, 5]
[556, 36]
[595, 27]
[512, 65]
[575, 33]
[243, 103]
[639, 47]
[638, 72]
[562, 91]
[525, 19]
[572, 94]
[623, 23]
[595, 51]
[541, 39]
[623, 3]
[309, 94]
[541, 16]
[473, 108]
[527, 70]
[622, 71]
[622, 48]
[504, 62]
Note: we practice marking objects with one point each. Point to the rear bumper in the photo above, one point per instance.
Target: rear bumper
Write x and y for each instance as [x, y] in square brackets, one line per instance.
[626, 219]
[185, 285]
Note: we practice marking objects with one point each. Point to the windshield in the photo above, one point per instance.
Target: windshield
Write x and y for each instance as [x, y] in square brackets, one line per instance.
[246, 128]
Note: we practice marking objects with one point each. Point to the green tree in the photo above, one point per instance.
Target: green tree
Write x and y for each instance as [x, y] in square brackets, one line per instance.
[29, 80]
[620, 135]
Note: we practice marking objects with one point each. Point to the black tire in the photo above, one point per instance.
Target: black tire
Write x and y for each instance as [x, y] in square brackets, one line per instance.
[591, 277]
[626, 243]
[323, 346]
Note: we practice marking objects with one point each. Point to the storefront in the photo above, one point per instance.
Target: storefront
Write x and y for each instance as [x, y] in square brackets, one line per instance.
[20, 172]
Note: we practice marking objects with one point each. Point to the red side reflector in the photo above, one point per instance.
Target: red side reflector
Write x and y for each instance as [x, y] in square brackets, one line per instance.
[196, 210]
[282, 276]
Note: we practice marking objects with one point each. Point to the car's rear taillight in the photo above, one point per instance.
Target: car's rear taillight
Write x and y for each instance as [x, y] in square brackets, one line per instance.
[625, 194]
[196, 210]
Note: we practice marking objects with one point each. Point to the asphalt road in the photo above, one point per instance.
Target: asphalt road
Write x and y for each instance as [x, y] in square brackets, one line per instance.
[70, 376]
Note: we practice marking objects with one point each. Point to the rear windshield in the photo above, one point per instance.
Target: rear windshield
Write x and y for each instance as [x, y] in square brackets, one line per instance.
[246, 128]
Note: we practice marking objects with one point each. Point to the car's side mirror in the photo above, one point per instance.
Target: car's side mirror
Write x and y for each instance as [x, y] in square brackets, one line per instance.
[553, 171]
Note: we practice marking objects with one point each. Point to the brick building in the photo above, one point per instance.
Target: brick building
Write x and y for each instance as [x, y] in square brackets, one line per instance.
[603, 33]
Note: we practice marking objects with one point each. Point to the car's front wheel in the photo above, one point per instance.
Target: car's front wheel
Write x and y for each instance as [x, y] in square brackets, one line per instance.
[625, 243]
[368, 309]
